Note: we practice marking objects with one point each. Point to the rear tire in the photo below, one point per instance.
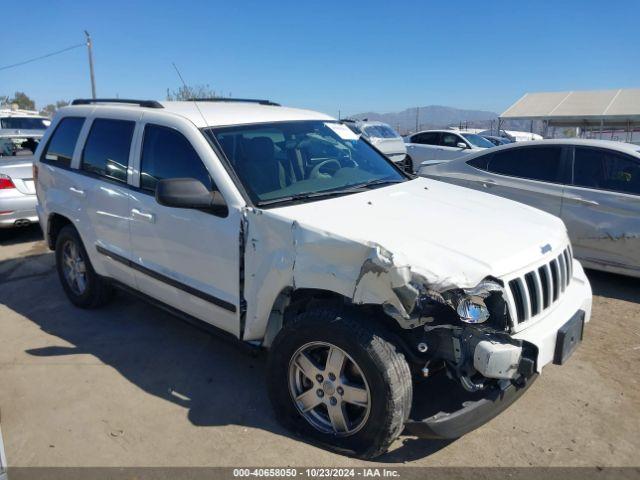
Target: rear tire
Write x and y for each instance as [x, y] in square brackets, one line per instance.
[84, 287]
[367, 431]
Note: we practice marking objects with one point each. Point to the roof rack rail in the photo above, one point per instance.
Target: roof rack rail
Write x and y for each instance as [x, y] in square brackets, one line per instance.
[142, 103]
[241, 100]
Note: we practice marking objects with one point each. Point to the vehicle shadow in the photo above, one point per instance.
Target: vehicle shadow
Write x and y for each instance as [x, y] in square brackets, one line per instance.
[218, 382]
[611, 285]
[13, 236]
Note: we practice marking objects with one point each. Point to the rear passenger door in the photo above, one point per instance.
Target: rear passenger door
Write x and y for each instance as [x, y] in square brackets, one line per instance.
[101, 184]
[186, 258]
[601, 208]
[533, 175]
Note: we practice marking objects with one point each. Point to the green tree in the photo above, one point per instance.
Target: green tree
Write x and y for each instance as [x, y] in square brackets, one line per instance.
[50, 109]
[23, 101]
[189, 92]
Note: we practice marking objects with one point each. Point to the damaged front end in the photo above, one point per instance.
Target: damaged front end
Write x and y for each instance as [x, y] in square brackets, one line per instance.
[464, 330]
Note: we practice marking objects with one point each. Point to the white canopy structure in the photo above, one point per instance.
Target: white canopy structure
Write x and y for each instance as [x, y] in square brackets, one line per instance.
[594, 110]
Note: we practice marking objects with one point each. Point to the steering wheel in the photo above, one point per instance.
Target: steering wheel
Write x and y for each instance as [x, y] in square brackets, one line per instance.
[316, 173]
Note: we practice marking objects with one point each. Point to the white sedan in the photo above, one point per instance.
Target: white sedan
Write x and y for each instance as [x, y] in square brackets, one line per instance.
[593, 185]
[438, 145]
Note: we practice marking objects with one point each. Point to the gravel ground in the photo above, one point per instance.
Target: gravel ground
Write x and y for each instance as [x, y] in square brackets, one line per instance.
[130, 385]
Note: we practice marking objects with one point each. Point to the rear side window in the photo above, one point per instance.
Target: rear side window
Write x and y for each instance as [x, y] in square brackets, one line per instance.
[59, 151]
[106, 151]
[481, 162]
[166, 153]
[536, 163]
[606, 170]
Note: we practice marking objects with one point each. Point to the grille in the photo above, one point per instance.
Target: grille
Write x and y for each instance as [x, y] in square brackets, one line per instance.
[535, 291]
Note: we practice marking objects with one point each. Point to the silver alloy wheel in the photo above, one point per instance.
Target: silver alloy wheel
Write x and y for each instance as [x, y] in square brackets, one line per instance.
[74, 267]
[329, 389]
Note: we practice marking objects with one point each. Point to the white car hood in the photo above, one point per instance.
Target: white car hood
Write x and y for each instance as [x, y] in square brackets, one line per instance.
[451, 236]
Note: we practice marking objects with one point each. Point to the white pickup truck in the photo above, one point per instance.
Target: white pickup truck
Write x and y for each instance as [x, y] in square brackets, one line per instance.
[287, 231]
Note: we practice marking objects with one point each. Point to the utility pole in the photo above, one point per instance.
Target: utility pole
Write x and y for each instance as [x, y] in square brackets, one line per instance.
[417, 118]
[90, 50]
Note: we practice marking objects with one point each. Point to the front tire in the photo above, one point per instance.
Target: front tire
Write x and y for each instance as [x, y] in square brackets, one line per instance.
[83, 286]
[334, 377]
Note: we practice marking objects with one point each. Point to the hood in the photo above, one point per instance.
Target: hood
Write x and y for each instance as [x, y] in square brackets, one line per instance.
[452, 236]
[20, 171]
[389, 146]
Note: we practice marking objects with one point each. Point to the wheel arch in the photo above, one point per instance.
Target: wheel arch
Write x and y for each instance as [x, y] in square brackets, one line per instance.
[55, 223]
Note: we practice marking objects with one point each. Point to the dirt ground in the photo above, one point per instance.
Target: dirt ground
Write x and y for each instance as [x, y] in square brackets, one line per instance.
[130, 385]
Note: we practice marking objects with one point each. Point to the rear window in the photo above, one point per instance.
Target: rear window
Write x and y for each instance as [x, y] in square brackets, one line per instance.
[380, 131]
[59, 151]
[25, 123]
[106, 151]
[535, 163]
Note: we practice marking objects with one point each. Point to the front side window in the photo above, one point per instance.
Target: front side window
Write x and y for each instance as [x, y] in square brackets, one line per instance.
[535, 163]
[606, 170]
[451, 140]
[60, 149]
[426, 138]
[166, 153]
[106, 151]
[279, 161]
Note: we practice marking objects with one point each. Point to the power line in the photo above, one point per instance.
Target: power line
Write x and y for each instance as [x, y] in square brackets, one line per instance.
[57, 52]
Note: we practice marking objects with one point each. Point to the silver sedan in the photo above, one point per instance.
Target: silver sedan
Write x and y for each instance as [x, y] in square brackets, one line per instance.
[17, 192]
[593, 185]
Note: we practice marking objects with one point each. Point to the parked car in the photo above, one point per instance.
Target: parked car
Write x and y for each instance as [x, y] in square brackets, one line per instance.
[384, 138]
[438, 145]
[497, 140]
[17, 191]
[280, 227]
[513, 135]
[20, 130]
[593, 185]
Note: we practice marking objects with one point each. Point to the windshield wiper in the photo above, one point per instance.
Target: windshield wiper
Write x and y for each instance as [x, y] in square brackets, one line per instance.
[307, 196]
[379, 181]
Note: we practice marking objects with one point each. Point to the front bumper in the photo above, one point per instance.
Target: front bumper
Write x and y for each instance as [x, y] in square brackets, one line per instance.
[459, 412]
[18, 210]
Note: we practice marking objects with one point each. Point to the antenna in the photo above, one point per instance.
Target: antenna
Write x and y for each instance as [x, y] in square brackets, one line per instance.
[187, 89]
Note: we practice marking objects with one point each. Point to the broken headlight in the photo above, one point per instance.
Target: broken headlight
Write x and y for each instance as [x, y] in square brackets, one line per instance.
[470, 304]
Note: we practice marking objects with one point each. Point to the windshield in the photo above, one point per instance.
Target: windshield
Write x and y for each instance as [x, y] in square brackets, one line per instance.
[477, 140]
[25, 123]
[380, 131]
[278, 161]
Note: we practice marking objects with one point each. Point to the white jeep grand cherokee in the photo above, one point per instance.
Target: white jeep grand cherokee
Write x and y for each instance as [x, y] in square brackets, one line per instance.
[288, 231]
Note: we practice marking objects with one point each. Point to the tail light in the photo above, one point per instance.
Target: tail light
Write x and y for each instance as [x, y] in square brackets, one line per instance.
[5, 182]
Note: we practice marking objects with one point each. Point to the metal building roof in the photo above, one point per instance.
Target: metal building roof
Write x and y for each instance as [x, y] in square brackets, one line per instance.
[622, 105]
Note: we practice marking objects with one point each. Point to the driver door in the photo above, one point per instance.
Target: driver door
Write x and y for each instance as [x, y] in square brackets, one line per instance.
[186, 258]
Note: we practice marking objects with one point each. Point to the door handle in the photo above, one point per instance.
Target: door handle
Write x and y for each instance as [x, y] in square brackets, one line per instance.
[487, 182]
[582, 201]
[77, 191]
[149, 217]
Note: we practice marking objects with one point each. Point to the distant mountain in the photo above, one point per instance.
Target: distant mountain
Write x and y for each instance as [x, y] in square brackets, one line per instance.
[438, 116]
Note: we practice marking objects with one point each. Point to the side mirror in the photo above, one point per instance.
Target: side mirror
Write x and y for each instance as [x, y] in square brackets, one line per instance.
[461, 145]
[189, 193]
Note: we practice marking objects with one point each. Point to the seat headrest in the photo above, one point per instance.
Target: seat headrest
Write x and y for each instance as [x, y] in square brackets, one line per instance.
[259, 149]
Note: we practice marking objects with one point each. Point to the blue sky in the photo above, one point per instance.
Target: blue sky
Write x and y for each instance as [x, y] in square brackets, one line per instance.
[348, 55]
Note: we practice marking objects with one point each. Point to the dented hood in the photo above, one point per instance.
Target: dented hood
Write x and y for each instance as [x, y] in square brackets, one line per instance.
[452, 236]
